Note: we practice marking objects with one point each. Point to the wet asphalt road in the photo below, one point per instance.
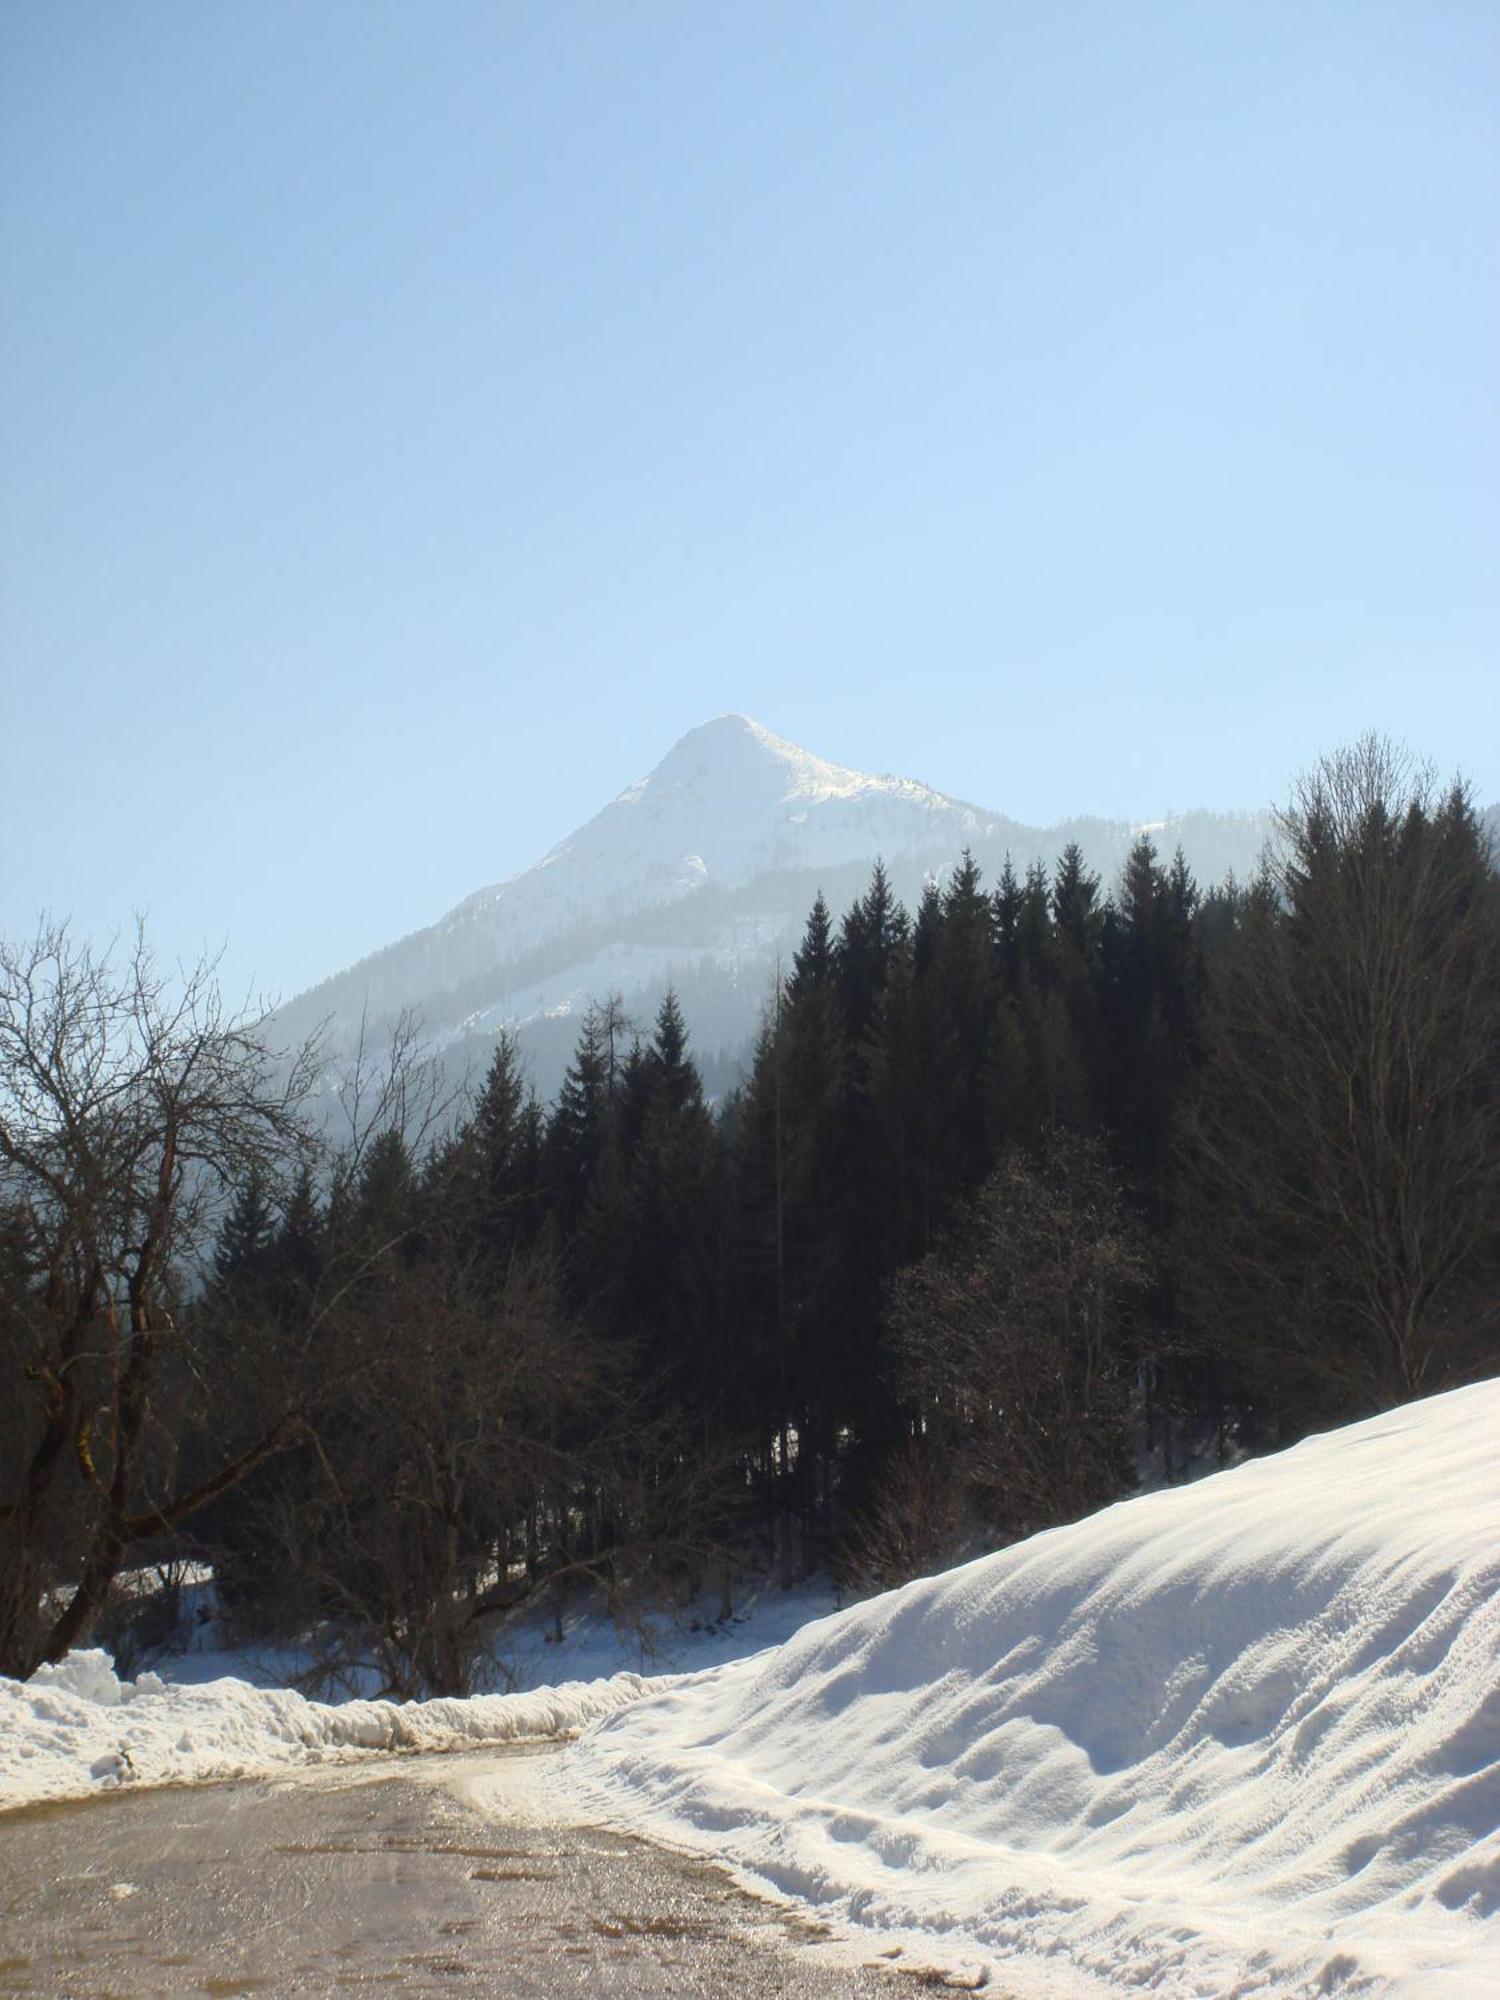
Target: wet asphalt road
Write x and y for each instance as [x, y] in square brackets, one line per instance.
[385, 1881]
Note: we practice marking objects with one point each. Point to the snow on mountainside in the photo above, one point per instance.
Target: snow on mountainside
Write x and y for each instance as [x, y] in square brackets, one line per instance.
[728, 802]
[752, 801]
[697, 876]
[1238, 1738]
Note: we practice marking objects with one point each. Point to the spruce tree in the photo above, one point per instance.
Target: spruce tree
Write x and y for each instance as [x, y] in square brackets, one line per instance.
[872, 933]
[245, 1237]
[582, 1134]
[1005, 906]
[491, 1175]
[1154, 991]
[670, 1301]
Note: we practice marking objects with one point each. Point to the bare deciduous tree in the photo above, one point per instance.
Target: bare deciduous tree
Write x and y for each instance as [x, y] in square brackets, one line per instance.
[1009, 1338]
[454, 1414]
[129, 1103]
[1342, 1182]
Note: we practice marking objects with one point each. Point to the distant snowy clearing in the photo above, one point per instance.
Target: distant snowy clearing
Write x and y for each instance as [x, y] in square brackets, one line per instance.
[74, 1730]
[1236, 1738]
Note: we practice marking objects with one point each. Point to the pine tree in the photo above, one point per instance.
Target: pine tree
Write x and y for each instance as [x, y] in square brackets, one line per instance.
[670, 1301]
[1077, 915]
[1005, 905]
[812, 1078]
[758, 1251]
[298, 1252]
[1154, 992]
[1074, 1034]
[1034, 929]
[245, 1237]
[964, 986]
[385, 1194]
[874, 930]
[582, 1134]
[491, 1176]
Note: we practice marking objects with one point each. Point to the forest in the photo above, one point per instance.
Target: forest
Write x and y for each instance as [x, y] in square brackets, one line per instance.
[1032, 1194]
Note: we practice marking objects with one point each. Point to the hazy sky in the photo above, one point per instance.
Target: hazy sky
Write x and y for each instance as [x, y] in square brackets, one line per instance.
[415, 417]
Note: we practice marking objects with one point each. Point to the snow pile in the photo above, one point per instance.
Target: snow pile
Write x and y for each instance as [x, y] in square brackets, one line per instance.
[75, 1729]
[1232, 1739]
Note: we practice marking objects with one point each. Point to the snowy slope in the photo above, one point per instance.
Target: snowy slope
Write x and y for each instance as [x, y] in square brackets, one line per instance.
[729, 801]
[1232, 1739]
[698, 875]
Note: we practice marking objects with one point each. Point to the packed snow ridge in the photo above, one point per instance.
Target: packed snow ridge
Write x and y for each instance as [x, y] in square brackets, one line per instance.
[1236, 1738]
[76, 1729]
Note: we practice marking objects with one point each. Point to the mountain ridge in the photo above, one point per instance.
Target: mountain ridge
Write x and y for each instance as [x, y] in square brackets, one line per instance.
[697, 875]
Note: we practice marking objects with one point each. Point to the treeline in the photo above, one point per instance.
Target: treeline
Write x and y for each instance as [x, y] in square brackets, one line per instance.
[1029, 1192]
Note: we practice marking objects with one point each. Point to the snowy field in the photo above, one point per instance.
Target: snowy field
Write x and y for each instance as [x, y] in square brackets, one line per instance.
[1234, 1739]
[213, 1712]
[528, 1653]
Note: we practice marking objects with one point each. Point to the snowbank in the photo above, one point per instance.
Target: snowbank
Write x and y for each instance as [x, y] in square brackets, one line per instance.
[1232, 1739]
[75, 1729]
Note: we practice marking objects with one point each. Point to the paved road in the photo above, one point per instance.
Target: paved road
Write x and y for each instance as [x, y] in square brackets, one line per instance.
[387, 1881]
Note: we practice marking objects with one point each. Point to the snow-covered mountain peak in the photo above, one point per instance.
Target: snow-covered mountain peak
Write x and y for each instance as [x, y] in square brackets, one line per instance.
[698, 875]
[737, 799]
[733, 755]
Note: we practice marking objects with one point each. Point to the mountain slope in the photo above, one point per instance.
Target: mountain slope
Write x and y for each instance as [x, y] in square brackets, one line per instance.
[698, 875]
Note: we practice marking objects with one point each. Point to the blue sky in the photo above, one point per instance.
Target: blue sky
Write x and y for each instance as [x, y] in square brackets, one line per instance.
[416, 417]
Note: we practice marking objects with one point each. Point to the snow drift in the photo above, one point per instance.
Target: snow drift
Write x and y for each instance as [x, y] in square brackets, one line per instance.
[1232, 1739]
[76, 1729]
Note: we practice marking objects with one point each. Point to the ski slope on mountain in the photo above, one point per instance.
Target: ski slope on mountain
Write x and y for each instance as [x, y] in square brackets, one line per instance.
[1231, 1739]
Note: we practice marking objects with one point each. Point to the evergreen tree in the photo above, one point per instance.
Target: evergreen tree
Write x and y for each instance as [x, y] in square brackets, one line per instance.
[964, 987]
[873, 932]
[1073, 1029]
[384, 1213]
[491, 1175]
[670, 1301]
[1154, 1003]
[583, 1133]
[241, 1254]
[1034, 929]
[1006, 925]
[1077, 914]
[815, 1074]
[758, 1250]
[298, 1252]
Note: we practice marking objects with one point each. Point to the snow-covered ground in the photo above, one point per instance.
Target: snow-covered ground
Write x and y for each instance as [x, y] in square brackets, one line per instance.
[527, 1651]
[1233, 1739]
[1237, 1738]
[75, 1729]
[212, 1712]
